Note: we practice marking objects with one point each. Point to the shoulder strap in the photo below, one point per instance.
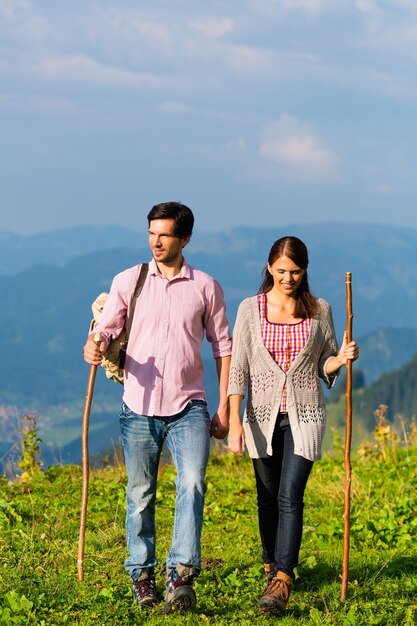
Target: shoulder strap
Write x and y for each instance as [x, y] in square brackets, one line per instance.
[139, 285]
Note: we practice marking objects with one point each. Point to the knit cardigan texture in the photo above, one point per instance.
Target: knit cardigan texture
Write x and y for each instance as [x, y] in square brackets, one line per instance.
[253, 370]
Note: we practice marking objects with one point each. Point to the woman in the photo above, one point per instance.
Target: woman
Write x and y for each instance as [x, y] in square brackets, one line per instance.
[283, 342]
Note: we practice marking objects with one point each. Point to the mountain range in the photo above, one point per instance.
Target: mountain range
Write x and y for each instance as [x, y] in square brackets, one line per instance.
[48, 281]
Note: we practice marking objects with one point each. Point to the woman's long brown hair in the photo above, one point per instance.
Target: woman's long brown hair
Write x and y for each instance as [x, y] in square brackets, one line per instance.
[296, 250]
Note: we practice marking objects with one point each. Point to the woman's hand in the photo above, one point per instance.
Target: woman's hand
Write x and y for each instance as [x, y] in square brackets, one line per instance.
[348, 351]
[236, 438]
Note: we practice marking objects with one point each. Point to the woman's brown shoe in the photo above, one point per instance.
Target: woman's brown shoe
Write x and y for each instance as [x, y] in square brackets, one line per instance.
[277, 593]
[269, 571]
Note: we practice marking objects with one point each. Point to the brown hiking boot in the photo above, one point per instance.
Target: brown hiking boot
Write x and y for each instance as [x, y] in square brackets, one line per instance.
[269, 571]
[144, 590]
[179, 592]
[276, 596]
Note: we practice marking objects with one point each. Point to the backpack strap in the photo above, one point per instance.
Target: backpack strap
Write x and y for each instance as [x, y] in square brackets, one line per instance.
[139, 286]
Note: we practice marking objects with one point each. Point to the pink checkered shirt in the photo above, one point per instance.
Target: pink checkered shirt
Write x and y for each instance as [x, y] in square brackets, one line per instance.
[283, 341]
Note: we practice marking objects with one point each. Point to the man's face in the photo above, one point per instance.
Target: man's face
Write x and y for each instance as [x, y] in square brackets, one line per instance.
[165, 246]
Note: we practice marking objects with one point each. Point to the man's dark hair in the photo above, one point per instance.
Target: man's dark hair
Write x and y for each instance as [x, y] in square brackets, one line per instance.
[183, 216]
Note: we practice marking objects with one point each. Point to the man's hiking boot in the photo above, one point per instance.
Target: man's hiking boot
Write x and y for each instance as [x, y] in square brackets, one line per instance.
[277, 593]
[144, 589]
[179, 596]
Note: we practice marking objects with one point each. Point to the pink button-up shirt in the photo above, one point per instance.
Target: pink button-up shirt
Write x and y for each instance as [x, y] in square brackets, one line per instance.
[164, 368]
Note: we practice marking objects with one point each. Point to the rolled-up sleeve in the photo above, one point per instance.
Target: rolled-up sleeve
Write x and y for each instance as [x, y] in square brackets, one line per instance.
[239, 366]
[330, 348]
[113, 316]
[216, 323]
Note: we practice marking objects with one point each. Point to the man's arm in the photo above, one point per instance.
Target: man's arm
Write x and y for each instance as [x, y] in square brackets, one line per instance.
[112, 318]
[220, 422]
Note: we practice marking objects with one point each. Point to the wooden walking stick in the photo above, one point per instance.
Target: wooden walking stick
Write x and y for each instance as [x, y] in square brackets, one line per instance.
[348, 440]
[85, 462]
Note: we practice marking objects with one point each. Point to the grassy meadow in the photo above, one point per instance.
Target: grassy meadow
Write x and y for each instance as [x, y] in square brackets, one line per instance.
[39, 523]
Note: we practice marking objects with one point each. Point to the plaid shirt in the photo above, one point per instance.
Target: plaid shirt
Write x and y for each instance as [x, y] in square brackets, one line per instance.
[283, 341]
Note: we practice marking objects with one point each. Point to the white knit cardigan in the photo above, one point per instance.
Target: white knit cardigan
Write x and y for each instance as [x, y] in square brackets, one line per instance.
[254, 370]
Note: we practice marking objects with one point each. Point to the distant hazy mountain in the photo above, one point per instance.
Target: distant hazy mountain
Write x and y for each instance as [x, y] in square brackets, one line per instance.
[382, 259]
[19, 253]
[396, 389]
[385, 350]
[46, 307]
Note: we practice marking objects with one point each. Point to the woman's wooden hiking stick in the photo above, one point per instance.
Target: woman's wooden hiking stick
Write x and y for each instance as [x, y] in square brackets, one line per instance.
[348, 440]
[85, 463]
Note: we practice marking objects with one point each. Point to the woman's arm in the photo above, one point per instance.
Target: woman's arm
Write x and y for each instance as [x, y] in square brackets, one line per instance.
[347, 352]
[236, 437]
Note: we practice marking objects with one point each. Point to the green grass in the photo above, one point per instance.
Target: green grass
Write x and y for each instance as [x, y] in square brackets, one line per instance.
[39, 535]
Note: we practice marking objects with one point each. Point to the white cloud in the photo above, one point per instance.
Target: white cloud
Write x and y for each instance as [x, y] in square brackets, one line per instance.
[313, 6]
[211, 50]
[377, 7]
[138, 34]
[34, 102]
[246, 59]
[83, 69]
[238, 145]
[278, 7]
[172, 106]
[9, 8]
[211, 28]
[33, 30]
[297, 152]
[389, 27]
[383, 189]
[366, 6]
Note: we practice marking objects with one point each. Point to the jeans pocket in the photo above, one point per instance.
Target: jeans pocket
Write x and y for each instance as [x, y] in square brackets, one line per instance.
[202, 403]
[125, 412]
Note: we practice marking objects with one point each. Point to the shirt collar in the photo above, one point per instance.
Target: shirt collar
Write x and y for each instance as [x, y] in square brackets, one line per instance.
[185, 271]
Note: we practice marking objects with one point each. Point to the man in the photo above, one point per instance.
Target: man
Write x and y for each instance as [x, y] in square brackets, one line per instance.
[164, 398]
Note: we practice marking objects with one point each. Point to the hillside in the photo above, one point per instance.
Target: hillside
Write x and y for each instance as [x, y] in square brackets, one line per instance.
[397, 390]
[385, 350]
[39, 534]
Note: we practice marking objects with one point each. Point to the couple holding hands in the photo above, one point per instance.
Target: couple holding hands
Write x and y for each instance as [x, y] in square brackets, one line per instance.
[283, 344]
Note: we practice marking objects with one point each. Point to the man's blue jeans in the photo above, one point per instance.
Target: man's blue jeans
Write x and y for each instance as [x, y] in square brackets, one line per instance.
[280, 482]
[187, 436]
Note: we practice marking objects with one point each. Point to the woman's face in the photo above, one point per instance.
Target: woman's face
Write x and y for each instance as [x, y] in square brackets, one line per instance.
[287, 275]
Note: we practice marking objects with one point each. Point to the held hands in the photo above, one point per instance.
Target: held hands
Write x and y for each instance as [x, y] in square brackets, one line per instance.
[220, 424]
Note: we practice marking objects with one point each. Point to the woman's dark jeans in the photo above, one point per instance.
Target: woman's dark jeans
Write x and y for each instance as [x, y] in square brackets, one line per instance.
[280, 481]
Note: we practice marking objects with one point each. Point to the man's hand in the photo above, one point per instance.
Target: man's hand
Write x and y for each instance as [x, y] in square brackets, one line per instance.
[219, 425]
[93, 351]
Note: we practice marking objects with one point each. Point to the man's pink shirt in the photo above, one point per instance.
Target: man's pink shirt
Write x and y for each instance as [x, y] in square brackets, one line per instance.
[164, 368]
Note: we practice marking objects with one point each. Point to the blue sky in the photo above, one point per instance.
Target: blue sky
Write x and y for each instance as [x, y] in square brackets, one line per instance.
[252, 112]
